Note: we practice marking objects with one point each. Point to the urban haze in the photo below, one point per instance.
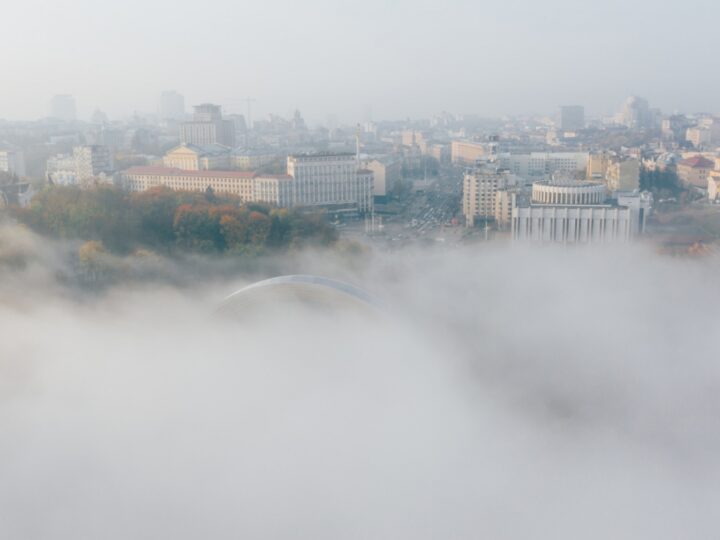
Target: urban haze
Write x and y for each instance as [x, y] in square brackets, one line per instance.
[356, 270]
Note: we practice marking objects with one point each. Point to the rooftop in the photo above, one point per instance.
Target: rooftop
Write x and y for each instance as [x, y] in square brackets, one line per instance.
[697, 162]
[169, 171]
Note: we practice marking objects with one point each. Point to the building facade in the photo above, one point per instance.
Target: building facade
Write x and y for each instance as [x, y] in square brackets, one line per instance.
[91, 161]
[387, 171]
[694, 171]
[578, 213]
[191, 157]
[466, 152]
[480, 187]
[208, 127]
[329, 179]
[240, 184]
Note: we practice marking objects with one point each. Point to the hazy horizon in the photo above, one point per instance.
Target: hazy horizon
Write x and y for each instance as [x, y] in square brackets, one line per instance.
[406, 59]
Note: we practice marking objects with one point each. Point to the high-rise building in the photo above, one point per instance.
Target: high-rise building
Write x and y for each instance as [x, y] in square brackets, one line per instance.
[172, 106]
[62, 107]
[480, 187]
[636, 113]
[330, 180]
[572, 118]
[208, 127]
[92, 160]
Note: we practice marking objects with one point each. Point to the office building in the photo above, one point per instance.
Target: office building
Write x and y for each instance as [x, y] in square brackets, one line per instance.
[467, 152]
[544, 165]
[480, 186]
[208, 127]
[171, 106]
[572, 118]
[92, 161]
[331, 180]
[61, 170]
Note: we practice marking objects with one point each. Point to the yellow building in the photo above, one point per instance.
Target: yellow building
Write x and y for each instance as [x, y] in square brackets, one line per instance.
[597, 166]
[191, 157]
[466, 152]
[623, 175]
[713, 186]
[694, 171]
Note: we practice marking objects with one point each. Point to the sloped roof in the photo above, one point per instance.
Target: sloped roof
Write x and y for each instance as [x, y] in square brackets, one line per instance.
[697, 162]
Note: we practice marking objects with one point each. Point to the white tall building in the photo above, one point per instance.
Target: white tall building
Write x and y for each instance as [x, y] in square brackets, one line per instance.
[329, 179]
[62, 107]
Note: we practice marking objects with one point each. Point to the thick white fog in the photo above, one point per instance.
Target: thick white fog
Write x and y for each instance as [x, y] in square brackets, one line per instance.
[503, 393]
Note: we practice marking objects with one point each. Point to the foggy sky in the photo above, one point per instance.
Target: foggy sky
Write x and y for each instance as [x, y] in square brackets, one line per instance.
[401, 58]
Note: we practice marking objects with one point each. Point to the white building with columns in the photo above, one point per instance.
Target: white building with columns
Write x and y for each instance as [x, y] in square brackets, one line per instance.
[578, 213]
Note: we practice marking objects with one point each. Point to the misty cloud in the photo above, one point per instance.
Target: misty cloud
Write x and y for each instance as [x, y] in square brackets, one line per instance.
[504, 393]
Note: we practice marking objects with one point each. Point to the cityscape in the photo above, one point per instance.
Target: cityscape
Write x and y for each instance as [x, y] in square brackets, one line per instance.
[363, 270]
[637, 175]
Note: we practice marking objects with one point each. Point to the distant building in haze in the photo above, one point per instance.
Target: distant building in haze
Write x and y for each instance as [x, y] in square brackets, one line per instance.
[572, 118]
[12, 161]
[171, 106]
[208, 127]
[92, 160]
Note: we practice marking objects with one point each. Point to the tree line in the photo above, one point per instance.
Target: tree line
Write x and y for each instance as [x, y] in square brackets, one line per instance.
[167, 220]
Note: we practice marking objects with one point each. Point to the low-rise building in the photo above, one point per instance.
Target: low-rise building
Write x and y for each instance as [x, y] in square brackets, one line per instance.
[240, 184]
[579, 212]
[694, 171]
